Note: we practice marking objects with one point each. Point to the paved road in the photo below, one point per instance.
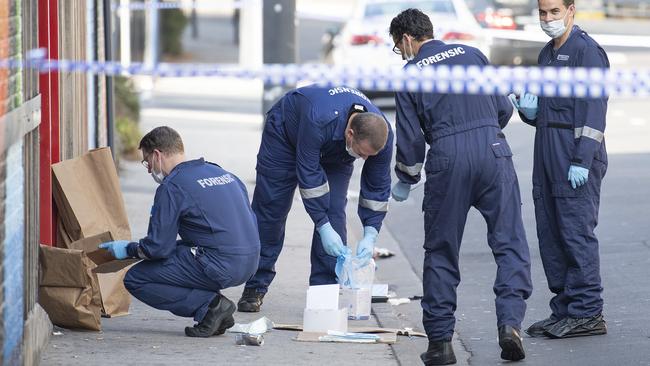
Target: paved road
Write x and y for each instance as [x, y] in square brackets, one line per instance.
[624, 232]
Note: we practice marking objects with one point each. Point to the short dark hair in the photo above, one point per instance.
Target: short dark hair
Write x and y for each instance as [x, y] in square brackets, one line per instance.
[412, 22]
[163, 138]
[371, 127]
[568, 3]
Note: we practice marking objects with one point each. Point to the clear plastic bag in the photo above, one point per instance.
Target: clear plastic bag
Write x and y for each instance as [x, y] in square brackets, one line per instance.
[352, 273]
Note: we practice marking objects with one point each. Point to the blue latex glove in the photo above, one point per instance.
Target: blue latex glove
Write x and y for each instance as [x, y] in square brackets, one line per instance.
[366, 246]
[527, 105]
[400, 191]
[578, 176]
[117, 248]
[331, 240]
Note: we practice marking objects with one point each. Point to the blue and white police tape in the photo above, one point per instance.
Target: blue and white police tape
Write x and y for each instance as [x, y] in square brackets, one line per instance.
[163, 5]
[542, 81]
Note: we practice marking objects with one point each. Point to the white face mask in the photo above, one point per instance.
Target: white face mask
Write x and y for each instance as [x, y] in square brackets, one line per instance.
[351, 152]
[157, 176]
[555, 28]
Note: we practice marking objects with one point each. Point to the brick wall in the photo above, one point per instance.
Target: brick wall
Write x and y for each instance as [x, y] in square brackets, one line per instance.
[12, 216]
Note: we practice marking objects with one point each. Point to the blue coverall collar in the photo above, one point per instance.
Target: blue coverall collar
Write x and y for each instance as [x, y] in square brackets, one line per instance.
[574, 31]
[187, 163]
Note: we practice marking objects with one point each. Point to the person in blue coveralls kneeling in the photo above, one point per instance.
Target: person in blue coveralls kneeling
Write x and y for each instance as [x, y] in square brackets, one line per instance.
[219, 246]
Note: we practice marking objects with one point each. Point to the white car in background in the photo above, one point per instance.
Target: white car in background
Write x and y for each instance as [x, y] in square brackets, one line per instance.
[364, 38]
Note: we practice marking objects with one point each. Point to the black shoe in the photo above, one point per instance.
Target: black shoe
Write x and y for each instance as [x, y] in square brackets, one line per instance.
[251, 301]
[439, 353]
[538, 329]
[578, 327]
[216, 320]
[510, 343]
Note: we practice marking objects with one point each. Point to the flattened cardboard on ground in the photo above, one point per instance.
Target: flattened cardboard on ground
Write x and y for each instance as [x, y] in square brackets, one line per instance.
[87, 193]
[110, 273]
[384, 338]
[357, 329]
[68, 289]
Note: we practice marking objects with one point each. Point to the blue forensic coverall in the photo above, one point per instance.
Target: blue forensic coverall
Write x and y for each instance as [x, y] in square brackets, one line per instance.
[469, 163]
[570, 131]
[219, 246]
[303, 144]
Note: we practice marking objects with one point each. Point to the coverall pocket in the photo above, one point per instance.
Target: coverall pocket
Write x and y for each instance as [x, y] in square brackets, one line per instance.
[564, 190]
[436, 165]
[435, 187]
[215, 270]
[503, 154]
[560, 112]
[501, 149]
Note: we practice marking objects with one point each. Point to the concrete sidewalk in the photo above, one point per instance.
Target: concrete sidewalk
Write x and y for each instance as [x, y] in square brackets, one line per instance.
[149, 336]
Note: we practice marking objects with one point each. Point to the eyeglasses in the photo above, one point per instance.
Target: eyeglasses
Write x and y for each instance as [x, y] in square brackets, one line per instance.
[145, 162]
[396, 49]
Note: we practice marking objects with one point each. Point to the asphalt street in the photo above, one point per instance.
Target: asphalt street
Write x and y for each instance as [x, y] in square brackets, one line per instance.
[623, 231]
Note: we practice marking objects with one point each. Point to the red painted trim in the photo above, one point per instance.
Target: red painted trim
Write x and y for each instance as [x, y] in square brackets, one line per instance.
[48, 38]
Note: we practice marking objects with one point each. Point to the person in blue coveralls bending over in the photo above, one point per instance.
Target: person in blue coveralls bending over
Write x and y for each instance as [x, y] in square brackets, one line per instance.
[311, 139]
[469, 163]
[219, 245]
[570, 161]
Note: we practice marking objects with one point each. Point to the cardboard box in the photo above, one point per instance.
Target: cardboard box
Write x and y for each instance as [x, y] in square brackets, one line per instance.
[357, 301]
[322, 320]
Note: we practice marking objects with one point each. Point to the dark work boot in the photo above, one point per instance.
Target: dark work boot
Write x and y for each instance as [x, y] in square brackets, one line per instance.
[510, 343]
[251, 301]
[439, 353]
[217, 319]
[538, 329]
[578, 327]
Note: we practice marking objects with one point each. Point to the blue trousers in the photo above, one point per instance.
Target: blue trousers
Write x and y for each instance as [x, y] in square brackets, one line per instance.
[274, 190]
[184, 283]
[472, 169]
[566, 219]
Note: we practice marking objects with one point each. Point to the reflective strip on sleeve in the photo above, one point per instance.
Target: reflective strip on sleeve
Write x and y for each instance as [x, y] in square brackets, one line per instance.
[307, 193]
[381, 206]
[588, 132]
[412, 170]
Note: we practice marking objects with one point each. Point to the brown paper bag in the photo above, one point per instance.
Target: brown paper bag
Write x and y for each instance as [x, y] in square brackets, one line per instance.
[68, 289]
[110, 273]
[88, 196]
[116, 299]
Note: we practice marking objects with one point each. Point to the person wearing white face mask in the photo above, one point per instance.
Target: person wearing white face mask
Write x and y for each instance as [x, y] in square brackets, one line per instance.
[311, 138]
[469, 164]
[219, 245]
[570, 161]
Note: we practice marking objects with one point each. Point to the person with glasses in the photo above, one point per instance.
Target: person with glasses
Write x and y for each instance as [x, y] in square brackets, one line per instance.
[469, 164]
[219, 246]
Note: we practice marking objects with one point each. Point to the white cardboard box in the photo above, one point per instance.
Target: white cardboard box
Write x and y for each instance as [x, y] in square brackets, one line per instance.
[322, 320]
[323, 297]
[357, 301]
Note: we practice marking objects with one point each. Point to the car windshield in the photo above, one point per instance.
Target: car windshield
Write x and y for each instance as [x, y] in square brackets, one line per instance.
[392, 8]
